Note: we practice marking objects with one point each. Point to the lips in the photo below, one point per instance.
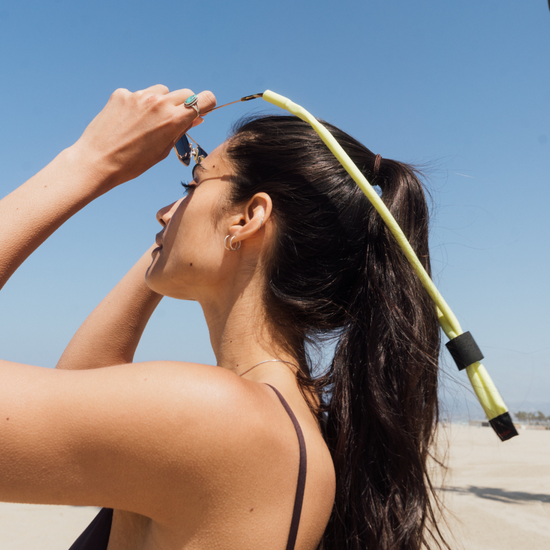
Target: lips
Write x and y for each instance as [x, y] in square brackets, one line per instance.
[158, 241]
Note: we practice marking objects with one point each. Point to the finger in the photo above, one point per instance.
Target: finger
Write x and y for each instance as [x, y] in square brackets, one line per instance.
[197, 121]
[206, 99]
[179, 96]
[189, 114]
[157, 89]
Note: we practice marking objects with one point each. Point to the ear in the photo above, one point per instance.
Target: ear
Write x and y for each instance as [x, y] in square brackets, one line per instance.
[252, 218]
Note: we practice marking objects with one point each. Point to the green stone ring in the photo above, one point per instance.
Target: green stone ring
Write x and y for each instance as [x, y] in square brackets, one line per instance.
[192, 101]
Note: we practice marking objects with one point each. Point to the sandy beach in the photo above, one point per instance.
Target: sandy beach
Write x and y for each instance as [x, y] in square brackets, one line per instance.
[497, 496]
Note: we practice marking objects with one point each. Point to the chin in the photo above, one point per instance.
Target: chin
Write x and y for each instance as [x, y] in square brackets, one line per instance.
[157, 286]
[151, 282]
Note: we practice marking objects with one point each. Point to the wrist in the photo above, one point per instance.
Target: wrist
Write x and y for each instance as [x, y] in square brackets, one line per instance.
[93, 169]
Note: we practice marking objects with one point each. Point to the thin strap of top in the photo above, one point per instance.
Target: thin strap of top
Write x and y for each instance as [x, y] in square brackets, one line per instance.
[302, 471]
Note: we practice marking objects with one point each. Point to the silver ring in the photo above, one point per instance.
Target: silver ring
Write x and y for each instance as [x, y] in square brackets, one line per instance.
[232, 247]
[193, 102]
[236, 246]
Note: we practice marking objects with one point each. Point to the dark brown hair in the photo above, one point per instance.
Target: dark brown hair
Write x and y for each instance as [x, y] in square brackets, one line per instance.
[335, 269]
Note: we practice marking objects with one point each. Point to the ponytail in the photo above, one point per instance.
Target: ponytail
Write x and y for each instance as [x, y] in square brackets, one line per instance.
[384, 386]
[335, 267]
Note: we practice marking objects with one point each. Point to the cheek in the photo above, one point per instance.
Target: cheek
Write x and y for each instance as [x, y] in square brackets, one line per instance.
[168, 278]
[193, 254]
[192, 260]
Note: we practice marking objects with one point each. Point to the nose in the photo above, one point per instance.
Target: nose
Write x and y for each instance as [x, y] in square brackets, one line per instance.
[164, 215]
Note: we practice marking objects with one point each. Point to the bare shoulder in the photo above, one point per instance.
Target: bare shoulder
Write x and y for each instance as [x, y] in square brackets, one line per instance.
[193, 411]
[157, 439]
[119, 436]
[230, 443]
[242, 446]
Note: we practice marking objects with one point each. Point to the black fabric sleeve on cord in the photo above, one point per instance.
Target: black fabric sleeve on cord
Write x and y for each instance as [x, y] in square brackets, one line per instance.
[503, 426]
[464, 350]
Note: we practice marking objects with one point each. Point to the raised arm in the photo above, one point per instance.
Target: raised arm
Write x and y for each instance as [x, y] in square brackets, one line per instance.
[111, 333]
[132, 133]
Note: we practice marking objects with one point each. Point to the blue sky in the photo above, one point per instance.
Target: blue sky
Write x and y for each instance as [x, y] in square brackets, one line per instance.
[462, 89]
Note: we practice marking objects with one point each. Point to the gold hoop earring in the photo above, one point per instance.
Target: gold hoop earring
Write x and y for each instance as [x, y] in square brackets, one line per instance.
[232, 247]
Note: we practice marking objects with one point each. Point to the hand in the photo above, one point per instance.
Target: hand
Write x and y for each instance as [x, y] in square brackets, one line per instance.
[136, 130]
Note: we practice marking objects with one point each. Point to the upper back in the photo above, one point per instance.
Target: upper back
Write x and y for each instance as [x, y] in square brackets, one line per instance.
[240, 491]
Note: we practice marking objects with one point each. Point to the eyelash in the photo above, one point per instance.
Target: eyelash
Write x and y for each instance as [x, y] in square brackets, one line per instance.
[187, 187]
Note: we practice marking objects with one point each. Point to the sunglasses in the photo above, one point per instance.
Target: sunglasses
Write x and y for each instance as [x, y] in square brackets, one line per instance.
[185, 151]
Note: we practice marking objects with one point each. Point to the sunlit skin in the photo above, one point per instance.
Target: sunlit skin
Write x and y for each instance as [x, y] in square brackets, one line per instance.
[192, 263]
[188, 455]
[187, 263]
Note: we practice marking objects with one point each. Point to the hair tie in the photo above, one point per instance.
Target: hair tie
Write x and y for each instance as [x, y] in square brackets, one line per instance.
[376, 165]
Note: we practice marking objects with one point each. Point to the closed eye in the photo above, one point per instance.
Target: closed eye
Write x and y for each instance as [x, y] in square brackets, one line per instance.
[187, 187]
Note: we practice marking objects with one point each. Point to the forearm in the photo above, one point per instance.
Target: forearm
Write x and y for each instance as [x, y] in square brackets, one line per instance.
[31, 213]
[111, 333]
[132, 133]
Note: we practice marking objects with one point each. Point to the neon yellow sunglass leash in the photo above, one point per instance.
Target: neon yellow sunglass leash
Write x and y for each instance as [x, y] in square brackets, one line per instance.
[461, 345]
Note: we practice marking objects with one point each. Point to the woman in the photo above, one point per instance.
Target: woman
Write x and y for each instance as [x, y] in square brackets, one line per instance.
[281, 249]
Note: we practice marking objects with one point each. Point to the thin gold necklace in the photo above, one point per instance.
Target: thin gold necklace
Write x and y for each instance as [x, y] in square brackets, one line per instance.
[268, 361]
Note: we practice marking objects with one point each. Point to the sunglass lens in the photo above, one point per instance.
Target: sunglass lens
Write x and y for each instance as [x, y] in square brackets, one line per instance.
[183, 150]
[201, 154]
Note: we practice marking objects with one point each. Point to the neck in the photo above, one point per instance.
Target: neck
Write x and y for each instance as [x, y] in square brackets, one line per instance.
[240, 332]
